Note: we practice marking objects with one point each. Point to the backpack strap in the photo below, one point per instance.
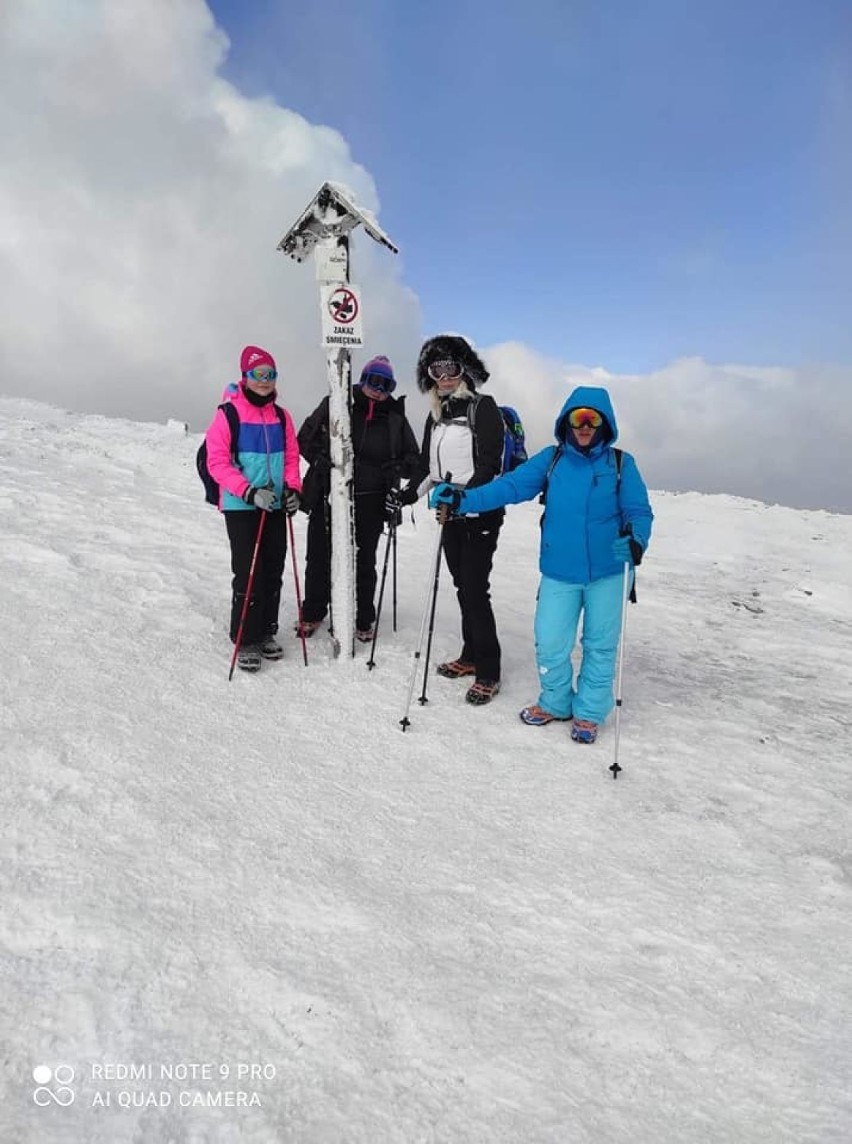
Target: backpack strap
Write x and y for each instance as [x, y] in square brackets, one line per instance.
[554, 460]
[233, 419]
[472, 406]
[471, 410]
[557, 453]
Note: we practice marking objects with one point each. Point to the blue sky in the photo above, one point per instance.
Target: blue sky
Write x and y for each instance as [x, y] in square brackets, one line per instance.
[611, 183]
[665, 195]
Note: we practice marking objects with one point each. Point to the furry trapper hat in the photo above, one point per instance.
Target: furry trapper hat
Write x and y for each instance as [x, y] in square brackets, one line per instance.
[450, 346]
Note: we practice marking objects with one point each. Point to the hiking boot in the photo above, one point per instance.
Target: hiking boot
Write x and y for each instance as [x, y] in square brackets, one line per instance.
[365, 635]
[248, 658]
[535, 716]
[483, 691]
[583, 731]
[455, 669]
[271, 648]
[306, 628]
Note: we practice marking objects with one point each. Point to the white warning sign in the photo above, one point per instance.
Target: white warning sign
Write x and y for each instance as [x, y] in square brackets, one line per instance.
[340, 303]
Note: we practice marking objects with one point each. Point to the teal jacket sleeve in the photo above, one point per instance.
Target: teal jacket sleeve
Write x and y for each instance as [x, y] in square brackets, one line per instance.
[634, 503]
[522, 484]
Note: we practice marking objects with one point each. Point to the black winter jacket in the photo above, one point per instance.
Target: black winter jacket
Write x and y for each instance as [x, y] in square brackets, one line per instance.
[383, 443]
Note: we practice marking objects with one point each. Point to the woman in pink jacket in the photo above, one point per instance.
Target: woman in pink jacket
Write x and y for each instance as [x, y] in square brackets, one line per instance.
[257, 471]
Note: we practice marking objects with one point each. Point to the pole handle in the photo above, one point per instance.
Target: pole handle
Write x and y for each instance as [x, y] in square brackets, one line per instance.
[444, 510]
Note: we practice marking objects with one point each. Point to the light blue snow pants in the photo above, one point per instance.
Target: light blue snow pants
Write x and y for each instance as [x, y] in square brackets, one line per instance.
[557, 617]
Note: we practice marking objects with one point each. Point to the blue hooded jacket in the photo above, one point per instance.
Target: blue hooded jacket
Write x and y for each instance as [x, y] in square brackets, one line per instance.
[585, 509]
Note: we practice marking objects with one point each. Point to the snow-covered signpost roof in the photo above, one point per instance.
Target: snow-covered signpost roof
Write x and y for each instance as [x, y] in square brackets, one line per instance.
[331, 212]
[323, 228]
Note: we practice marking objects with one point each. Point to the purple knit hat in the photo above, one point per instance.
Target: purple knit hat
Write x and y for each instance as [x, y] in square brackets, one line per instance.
[379, 367]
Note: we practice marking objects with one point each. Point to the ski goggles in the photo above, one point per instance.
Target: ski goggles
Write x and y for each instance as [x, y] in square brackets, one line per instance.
[447, 369]
[578, 418]
[262, 373]
[380, 382]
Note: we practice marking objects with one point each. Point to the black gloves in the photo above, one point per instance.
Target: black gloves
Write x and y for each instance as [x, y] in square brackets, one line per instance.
[292, 500]
[393, 508]
[626, 550]
[395, 501]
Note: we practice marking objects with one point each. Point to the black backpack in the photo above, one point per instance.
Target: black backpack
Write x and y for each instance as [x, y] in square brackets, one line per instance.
[211, 486]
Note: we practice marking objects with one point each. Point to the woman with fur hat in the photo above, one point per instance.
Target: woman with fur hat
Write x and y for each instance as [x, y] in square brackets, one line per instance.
[260, 475]
[597, 518]
[464, 437]
[384, 449]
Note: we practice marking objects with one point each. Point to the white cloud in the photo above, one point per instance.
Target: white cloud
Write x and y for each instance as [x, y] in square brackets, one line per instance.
[779, 435]
[141, 201]
[142, 198]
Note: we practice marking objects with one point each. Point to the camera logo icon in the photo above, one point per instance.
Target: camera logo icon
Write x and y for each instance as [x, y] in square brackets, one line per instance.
[60, 1094]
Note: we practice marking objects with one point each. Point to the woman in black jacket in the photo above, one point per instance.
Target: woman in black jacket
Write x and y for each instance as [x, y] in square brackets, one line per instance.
[464, 436]
[384, 449]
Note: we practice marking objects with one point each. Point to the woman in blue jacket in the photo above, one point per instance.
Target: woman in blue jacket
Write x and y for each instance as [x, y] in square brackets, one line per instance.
[597, 518]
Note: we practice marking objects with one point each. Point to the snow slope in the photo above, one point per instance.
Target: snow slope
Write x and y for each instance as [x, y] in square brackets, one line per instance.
[464, 933]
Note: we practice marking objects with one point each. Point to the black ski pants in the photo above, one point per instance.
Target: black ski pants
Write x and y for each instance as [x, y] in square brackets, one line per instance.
[369, 522]
[469, 545]
[262, 614]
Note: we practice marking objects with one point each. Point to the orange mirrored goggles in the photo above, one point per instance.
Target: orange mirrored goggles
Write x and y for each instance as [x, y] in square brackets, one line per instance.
[577, 418]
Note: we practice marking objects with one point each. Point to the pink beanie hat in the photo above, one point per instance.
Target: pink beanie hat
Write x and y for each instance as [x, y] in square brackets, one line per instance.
[253, 356]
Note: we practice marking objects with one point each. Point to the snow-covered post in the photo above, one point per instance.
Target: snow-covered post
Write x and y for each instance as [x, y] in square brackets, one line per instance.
[325, 225]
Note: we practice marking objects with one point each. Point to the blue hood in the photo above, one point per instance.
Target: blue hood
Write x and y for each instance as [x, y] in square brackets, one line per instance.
[594, 398]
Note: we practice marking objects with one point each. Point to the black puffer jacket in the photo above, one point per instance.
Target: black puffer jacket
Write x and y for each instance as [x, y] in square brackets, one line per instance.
[383, 443]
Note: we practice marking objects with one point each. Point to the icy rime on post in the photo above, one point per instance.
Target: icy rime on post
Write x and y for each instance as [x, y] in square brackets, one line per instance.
[325, 226]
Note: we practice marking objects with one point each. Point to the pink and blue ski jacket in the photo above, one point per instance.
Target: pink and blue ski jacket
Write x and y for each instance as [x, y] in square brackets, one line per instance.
[266, 452]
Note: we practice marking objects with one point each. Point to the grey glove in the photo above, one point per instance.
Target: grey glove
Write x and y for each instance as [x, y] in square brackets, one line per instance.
[263, 499]
[292, 500]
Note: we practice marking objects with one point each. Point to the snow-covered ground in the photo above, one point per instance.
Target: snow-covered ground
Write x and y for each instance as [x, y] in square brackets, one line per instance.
[465, 933]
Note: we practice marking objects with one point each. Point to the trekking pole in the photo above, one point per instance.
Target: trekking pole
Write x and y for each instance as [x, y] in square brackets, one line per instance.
[239, 638]
[443, 513]
[430, 599]
[433, 576]
[298, 590]
[615, 768]
[371, 662]
[394, 577]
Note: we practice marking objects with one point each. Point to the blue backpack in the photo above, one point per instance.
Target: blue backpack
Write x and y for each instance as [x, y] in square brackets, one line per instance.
[514, 438]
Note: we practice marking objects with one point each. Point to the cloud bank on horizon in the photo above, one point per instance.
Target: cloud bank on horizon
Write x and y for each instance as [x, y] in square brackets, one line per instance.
[141, 201]
[779, 435]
